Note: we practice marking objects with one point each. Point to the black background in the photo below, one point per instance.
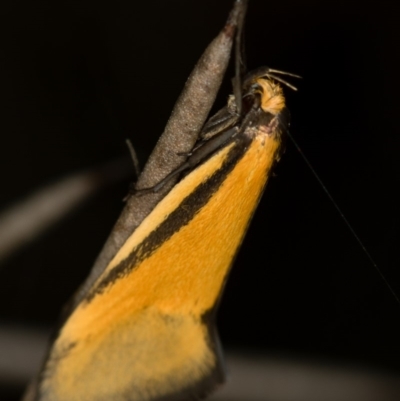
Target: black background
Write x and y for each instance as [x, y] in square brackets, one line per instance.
[78, 78]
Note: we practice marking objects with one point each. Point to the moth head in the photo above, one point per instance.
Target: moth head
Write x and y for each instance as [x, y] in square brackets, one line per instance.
[265, 84]
[271, 95]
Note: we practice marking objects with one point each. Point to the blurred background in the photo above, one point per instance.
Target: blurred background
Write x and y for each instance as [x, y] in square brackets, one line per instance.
[304, 309]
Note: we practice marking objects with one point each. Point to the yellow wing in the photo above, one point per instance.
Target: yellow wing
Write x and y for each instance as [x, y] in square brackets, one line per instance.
[145, 330]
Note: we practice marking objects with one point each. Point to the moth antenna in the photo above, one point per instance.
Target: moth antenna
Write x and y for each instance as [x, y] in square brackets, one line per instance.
[134, 157]
[346, 222]
[284, 73]
[281, 81]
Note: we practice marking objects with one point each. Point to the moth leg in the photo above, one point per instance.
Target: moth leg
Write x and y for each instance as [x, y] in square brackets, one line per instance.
[199, 154]
[134, 157]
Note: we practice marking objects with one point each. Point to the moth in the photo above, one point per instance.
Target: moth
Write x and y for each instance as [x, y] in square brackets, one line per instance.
[144, 329]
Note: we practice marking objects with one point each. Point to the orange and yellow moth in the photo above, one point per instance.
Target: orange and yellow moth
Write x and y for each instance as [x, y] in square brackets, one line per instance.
[145, 329]
[142, 328]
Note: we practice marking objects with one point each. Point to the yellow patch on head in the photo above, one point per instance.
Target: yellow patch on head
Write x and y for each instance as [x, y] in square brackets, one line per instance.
[272, 99]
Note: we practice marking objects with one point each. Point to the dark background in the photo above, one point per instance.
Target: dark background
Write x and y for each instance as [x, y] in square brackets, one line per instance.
[78, 78]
